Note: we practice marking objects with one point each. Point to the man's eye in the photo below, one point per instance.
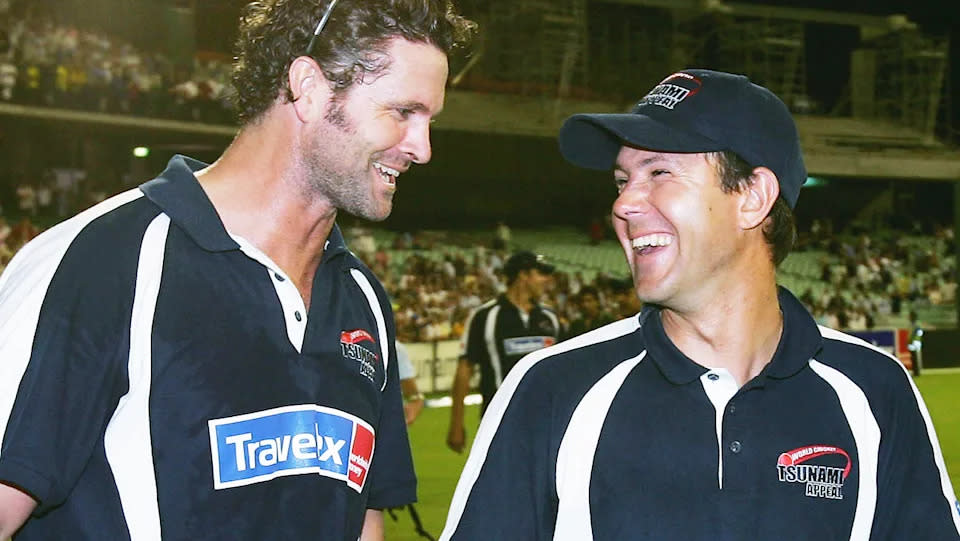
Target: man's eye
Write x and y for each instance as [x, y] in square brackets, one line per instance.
[619, 183]
[404, 113]
[657, 172]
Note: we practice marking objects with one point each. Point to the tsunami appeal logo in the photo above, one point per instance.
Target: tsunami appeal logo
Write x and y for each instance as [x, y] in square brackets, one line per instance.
[668, 95]
[351, 345]
[821, 481]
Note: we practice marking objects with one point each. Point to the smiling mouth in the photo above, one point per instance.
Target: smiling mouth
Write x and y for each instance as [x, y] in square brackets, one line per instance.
[388, 174]
[649, 243]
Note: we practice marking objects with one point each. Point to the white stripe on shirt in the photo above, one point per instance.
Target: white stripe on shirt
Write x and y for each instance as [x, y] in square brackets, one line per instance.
[577, 450]
[945, 484]
[126, 441]
[23, 288]
[490, 422]
[866, 433]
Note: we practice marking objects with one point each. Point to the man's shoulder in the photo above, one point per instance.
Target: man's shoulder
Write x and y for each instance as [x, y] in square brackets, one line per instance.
[542, 307]
[587, 356]
[484, 308]
[94, 238]
[869, 367]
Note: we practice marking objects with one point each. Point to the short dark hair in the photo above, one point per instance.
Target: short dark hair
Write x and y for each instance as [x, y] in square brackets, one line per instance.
[588, 290]
[781, 230]
[353, 43]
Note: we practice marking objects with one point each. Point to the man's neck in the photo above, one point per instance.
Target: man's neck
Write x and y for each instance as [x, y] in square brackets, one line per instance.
[520, 298]
[259, 197]
[738, 331]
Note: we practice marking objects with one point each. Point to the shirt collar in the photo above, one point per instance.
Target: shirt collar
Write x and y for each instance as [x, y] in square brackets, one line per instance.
[179, 195]
[673, 364]
[335, 244]
[801, 339]
[800, 342]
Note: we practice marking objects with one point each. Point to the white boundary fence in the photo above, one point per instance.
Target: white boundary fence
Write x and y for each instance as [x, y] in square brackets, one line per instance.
[436, 363]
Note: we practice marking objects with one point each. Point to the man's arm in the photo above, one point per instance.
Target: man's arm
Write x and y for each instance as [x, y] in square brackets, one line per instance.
[915, 499]
[507, 487]
[412, 399]
[372, 526]
[456, 435]
[15, 508]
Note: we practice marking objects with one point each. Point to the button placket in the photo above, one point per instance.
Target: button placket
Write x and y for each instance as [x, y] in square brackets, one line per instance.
[291, 303]
[720, 387]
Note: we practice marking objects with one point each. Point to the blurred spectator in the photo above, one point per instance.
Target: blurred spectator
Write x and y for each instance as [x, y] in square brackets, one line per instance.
[8, 77]
[591, 312]
[501, 237]
[27, 199]
[413, 400]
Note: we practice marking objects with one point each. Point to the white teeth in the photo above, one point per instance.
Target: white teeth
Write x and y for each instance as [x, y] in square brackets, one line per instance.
[386, 170]
[656, 239]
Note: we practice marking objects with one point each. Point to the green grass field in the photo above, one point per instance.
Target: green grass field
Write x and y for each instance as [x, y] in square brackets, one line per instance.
[438, 468]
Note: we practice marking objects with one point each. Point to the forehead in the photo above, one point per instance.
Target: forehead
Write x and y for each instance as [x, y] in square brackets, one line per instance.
[417, 75]
[631, 158]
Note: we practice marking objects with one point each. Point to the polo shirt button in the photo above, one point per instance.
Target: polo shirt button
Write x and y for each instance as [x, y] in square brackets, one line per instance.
[732, 408]
[735, 447]
[713, 377]
[298, 316]
[278, 277]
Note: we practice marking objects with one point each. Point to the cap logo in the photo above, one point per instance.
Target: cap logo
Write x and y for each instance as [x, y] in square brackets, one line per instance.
[668, 95]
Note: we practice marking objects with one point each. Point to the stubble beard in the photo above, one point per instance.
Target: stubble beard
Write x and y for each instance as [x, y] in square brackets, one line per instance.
[327, 158]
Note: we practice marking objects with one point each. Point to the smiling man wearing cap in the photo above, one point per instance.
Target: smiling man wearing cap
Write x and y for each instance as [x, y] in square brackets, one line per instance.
[721, 411]
[501, 331]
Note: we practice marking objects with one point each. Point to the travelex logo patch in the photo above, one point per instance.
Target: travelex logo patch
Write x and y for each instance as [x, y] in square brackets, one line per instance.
[351, 345]
[291, 440]
[821, 481]
[526, 344]
[668, 94]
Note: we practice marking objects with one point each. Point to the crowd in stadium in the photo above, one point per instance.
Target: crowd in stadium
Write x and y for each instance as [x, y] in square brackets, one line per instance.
[54, 65]
[862, 280]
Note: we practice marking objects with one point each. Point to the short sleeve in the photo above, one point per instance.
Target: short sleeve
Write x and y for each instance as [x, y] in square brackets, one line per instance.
[915, 498]
[64, 338]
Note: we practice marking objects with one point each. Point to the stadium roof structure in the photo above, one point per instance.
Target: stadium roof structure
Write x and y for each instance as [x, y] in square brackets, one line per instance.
[833, 146]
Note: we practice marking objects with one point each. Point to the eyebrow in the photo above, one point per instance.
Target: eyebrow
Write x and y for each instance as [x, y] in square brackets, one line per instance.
[416, 106]
[658, 157]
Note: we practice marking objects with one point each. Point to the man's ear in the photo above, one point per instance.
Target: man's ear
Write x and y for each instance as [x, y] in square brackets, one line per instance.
[758, 198]
[309, 88]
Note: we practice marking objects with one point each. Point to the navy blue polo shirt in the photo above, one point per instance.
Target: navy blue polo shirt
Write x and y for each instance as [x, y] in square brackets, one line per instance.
[615, 434]
[497, 335]
[162, 377]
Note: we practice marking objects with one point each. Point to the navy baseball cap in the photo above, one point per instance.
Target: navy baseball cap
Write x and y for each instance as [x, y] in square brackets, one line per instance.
[696, 110]
[525, 260]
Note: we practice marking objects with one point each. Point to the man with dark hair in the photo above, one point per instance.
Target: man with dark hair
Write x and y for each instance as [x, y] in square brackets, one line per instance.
[501, 331]
[203, 357]
[624, 297]
[592, 314]
[721, 410]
